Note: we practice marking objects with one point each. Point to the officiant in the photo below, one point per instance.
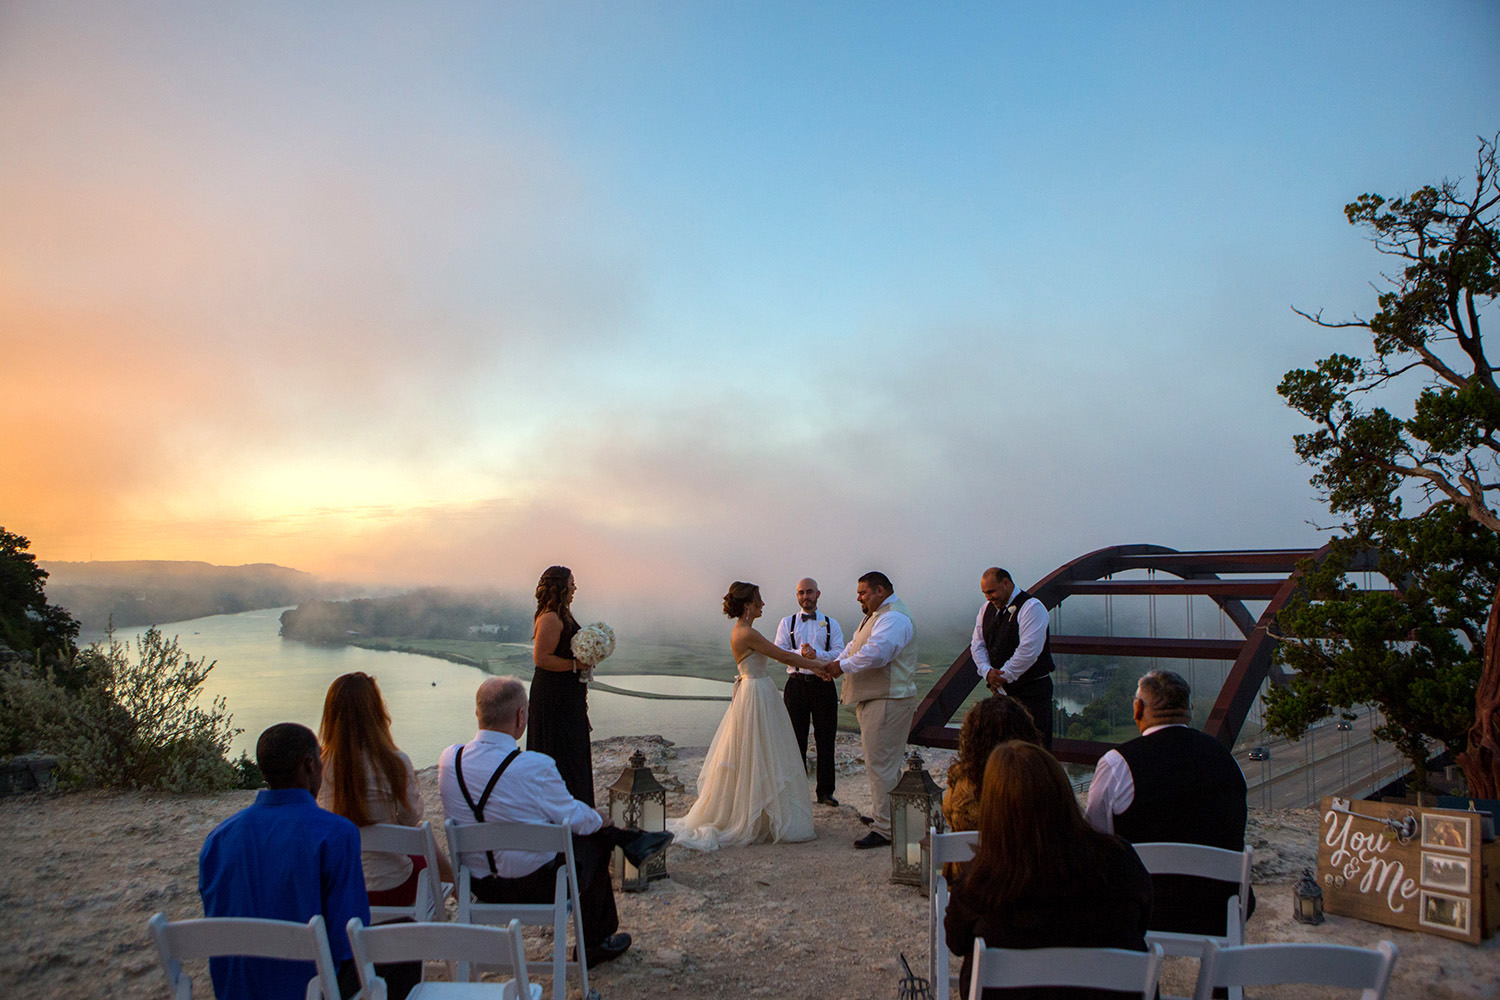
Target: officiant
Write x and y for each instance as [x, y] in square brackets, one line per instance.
[808, 697]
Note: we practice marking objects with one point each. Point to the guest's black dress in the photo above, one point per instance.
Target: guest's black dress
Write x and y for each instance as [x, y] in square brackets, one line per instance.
[1075, 915]
[559, 724]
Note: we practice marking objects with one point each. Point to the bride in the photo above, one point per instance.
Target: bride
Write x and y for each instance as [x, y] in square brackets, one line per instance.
[753, 787]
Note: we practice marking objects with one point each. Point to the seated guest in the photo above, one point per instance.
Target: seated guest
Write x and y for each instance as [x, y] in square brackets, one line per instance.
[490, 779]
[1173, 784]
[1041, 876]
[367, 780]
[285, 859]
[987, 725]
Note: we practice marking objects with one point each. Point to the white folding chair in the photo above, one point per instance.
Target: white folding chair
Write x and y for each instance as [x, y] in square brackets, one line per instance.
[469, 946]
[214, 937]
[1097, 968]
[409, 841]
[1203, 862]
[469, 838]
[943, 848]
[1365, 969]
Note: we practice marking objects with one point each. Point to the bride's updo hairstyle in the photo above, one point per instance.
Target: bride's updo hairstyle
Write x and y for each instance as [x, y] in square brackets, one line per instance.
[740, 595]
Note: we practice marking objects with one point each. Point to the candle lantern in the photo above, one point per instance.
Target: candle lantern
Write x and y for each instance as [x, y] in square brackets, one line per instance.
[1307, 900]
[916, 804]
[637, 801]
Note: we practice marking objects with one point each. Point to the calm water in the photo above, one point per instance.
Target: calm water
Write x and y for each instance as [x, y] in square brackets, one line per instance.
[266, 679]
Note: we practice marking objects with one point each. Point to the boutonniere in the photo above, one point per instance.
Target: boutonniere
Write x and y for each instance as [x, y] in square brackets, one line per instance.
[1010, 612]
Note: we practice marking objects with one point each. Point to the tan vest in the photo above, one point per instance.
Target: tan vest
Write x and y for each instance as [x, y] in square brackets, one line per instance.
[897, 679]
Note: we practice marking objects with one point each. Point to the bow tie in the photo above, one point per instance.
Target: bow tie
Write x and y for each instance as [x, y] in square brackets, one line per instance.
[809, 618]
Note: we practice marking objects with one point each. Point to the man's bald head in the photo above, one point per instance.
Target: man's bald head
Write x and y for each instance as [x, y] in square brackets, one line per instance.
[500, 705]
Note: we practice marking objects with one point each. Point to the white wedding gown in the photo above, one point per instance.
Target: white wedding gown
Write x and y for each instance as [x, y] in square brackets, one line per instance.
[753, 787]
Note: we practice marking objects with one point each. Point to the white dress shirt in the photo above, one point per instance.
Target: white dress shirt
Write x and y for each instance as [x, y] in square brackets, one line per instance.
[823, 638]
[889, 635]
[530, 791]
[1113, 788]
[1032, 622]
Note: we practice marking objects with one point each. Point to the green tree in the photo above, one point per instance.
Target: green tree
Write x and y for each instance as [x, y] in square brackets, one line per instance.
[28, 624]
[1399, 482]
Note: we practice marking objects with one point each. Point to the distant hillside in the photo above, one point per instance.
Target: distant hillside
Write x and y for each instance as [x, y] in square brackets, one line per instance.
[421, 614]
[148, 592]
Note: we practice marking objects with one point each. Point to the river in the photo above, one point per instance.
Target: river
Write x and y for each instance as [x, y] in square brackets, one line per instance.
[265, 679]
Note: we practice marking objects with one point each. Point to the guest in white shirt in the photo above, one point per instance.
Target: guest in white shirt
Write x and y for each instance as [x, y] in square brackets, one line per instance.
[1010, 647]
[490, 779]
[810, 698]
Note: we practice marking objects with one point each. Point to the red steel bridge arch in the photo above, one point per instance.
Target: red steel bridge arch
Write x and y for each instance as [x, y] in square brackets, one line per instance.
[1276, 579]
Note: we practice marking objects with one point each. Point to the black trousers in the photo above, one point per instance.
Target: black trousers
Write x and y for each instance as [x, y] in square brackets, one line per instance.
[596, 895]
[812, 699]
[1036, 695]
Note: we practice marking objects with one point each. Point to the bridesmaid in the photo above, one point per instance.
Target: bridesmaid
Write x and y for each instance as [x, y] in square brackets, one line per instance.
[559, 725]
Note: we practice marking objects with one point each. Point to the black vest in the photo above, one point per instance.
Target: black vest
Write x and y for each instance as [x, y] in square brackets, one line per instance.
[1188, 790]
[1002, 637]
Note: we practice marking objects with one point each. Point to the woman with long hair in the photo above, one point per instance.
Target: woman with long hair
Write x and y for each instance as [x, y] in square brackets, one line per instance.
[996, 720]
[367, 780]
[1041, 876]
[559, 725]
[753, 785]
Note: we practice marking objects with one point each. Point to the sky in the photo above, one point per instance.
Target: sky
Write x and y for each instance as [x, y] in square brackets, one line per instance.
[682, 293]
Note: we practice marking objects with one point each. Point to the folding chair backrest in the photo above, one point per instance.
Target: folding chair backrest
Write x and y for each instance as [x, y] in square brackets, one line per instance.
[1203, 862]
[247, 937]
[1364, 969]
[411, 841]
[942, 849]
[1098, 968]
[470, 946]
[468, 838]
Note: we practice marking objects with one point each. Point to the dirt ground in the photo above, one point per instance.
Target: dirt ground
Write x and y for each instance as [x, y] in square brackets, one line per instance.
[84, 871]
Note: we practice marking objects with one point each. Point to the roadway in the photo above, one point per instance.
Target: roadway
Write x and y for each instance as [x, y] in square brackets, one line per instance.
[1326, 761]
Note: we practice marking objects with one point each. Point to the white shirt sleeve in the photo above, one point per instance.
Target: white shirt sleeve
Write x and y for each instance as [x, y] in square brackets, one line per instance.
[888, 636]
[1032, 622]
[785, 633]
[558, 805]
[977, 648]
[836, 642]
[1110, 793]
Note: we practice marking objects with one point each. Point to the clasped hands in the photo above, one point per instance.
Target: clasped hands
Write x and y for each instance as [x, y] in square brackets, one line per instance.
[826, 669]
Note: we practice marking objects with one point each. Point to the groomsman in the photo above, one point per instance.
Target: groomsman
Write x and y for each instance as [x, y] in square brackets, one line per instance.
[1010, 647]
[809, 697]
[879, 667]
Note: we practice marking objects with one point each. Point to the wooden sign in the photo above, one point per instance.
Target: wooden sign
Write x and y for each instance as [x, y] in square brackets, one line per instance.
[1405, 866]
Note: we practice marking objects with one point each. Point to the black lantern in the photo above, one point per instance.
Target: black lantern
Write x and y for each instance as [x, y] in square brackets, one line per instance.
[916, 804]
[1307, 900]
[637, 801]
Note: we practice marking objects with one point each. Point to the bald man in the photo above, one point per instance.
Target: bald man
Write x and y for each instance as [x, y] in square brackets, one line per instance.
[809, 697]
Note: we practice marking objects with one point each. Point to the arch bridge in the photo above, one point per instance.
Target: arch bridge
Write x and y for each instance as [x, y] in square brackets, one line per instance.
[1269, 575]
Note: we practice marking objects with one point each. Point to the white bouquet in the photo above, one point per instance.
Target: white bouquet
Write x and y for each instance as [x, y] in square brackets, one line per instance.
[591, 645]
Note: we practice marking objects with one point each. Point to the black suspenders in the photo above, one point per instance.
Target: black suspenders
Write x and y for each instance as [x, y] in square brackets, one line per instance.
[458, 772]
[791, 631]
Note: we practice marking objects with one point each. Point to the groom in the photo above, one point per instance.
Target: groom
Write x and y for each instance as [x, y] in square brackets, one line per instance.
[879, 667]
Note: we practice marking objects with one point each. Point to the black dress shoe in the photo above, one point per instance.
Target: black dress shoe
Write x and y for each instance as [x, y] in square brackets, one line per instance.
[609, 949]
[827, 800]
[870, 840]
[645, 847]
[866, 820]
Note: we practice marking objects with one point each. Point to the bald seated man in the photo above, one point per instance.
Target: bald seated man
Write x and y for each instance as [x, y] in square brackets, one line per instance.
[491, 779]
[808, 697]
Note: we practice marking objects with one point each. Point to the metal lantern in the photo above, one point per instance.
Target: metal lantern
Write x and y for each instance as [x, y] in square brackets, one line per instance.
[1307, 900]
[637, 801]
[916, 804]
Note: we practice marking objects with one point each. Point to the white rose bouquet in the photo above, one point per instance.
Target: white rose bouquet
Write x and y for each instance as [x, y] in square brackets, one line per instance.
[591, 645]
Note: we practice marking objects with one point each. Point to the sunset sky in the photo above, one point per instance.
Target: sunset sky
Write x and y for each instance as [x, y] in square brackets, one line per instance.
[678, 293]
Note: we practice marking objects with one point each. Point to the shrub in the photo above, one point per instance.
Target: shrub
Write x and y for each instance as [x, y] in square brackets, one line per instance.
[132, 722]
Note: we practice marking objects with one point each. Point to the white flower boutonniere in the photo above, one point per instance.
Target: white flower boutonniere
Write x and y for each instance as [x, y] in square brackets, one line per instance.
[1010, 612]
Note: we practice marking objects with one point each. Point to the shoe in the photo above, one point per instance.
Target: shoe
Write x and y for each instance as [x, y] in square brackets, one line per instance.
[870, 840]
[866, 820]
[609, 949]
[827, 800]
[645, 847]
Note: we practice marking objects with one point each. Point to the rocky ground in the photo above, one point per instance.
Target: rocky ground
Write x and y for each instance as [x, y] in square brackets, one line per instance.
[84, 871]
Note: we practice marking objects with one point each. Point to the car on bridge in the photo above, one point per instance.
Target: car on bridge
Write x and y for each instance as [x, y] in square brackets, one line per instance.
[1344, 725]
[1260, 753]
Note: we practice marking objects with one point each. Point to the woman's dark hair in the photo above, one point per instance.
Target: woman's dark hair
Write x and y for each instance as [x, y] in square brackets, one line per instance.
[1032, 836]
[739, 596]
[552, 594]
[990, 723]
[356, 733]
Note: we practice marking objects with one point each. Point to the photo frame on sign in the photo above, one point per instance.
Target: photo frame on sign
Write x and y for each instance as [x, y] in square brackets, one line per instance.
[1449, 913]
[1447, 833]
[1445, 871]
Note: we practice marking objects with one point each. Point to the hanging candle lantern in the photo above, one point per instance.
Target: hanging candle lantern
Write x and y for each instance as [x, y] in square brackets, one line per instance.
[637, 801]
[916, 804]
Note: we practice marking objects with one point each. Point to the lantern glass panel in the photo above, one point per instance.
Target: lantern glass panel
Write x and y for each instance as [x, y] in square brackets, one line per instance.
[654, 815]
[916, 823]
